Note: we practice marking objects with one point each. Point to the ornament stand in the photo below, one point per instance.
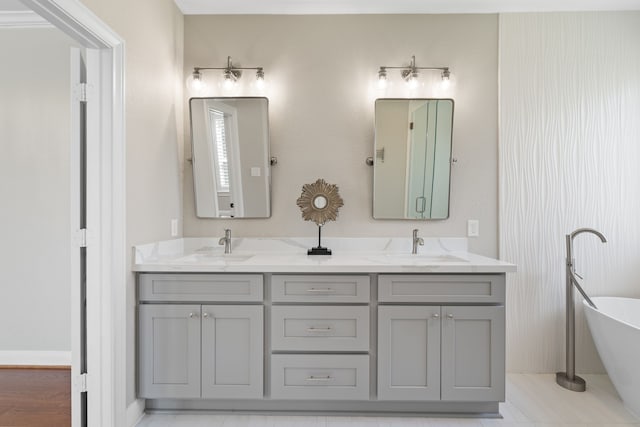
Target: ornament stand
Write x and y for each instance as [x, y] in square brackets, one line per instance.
[319, 250]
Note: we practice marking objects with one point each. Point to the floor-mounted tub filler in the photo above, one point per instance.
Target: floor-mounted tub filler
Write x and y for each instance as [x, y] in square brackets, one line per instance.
[615, 327]
[568, 379]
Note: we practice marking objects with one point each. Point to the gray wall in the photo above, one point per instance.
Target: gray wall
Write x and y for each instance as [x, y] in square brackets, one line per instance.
[321, 83]
[35, 191]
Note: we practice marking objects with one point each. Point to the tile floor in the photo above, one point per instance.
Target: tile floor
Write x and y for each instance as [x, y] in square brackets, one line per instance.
[532, 400]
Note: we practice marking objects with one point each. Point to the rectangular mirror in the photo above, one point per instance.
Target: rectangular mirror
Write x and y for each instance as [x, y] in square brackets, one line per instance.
[412, 163]
[231, 160]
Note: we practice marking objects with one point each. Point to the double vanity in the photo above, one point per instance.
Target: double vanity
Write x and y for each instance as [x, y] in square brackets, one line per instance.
[370, 329]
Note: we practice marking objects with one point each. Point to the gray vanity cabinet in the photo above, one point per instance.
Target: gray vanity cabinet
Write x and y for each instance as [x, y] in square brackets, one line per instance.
[169, 345]
[374, 343]
[441, 352]
[473, 353]
[408, 353]
[232, 351]
[208, 349]
[320, 331]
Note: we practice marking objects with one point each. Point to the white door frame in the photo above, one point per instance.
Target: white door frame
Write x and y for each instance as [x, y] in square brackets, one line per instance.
[106, 328]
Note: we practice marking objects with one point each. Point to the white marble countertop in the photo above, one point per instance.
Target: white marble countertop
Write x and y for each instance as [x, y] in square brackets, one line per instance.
[289, 255]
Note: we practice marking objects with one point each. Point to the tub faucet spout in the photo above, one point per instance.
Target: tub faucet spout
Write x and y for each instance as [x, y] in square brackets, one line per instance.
[226, 241]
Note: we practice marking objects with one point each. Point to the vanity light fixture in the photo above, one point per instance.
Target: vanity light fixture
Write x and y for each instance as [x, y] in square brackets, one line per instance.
[231, 74]
[410, 73]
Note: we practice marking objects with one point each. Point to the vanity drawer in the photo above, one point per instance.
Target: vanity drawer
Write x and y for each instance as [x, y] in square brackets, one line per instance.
[200, 287]
[319, 288]
[320, 376]
[320, 328]
[441, 288]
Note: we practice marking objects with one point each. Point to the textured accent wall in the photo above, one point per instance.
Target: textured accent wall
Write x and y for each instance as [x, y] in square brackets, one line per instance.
[569, 157]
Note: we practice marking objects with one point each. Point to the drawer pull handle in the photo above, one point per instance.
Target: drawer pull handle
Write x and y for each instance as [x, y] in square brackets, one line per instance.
[321, 290]
[314, 378]
[314, 329]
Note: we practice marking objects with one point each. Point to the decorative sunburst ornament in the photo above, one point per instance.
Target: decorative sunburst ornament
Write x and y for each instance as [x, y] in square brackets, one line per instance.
[319, 203]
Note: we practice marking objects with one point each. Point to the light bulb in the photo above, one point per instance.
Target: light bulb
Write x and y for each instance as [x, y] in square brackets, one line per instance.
[260, 78]
[229, 80]
[195, 82]
[382, 78]
[446, 79]
[412, 81]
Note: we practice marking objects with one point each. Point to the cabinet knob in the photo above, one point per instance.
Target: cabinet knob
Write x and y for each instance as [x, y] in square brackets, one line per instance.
[436, 316]
[205, 315]
[450, 316]
[192, 315]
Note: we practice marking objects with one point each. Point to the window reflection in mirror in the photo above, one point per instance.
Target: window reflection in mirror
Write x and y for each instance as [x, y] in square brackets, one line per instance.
[230, 145]
[412, 163]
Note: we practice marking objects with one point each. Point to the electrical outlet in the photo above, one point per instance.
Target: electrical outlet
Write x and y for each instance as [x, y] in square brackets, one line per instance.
[174, 227]
[473, 228]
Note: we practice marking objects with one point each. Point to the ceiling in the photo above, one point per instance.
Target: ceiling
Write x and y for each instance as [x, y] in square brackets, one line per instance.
[319, 7]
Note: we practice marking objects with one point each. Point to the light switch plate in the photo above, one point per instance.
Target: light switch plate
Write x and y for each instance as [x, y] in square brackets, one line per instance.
[174, 227]
[473, 228]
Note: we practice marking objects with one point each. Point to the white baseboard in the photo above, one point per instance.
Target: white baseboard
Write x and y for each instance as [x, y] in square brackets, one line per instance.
[35, 358]
[135, 412]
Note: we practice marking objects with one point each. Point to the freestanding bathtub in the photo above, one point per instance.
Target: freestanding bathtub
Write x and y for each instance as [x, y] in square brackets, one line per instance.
[615, 327]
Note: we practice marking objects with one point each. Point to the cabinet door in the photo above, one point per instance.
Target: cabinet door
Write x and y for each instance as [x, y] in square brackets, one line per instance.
[169, 340]
[473, 353]
[408, 353]
[232, 351]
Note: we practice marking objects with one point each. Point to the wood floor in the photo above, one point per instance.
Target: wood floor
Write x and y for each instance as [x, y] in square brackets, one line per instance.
[35, 397]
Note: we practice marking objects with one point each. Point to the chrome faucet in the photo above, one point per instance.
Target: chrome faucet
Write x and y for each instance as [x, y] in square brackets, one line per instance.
[226, 241]
[569, 379]
[416, 241]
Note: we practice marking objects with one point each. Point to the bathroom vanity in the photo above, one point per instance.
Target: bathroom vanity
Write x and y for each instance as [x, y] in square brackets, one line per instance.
[270, 329]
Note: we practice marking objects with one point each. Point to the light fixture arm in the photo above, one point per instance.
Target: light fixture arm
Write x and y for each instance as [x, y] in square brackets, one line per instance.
[230, 71]
[229, 67]
[411, 70]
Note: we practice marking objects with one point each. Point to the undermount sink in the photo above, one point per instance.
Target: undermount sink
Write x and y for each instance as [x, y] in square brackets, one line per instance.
[419, 258]
[215, 257]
